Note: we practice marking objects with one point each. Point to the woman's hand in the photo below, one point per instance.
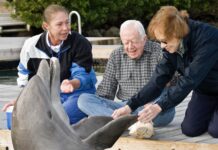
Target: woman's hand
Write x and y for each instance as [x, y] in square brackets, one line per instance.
[149, 112]
[121, 112]
[66, 86]
[11, 103]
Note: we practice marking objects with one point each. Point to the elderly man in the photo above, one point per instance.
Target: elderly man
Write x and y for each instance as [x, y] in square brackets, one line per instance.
[128, 69]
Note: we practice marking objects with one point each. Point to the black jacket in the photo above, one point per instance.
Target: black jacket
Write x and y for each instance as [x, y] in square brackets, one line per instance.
[75, 49]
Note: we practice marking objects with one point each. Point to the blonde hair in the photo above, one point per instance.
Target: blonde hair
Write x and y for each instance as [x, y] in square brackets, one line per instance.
[170, 21]
[51, 10]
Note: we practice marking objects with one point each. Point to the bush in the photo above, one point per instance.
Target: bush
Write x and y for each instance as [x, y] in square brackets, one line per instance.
[102, 14]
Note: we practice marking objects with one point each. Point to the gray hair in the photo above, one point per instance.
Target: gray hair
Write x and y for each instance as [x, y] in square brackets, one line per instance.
[133, 23]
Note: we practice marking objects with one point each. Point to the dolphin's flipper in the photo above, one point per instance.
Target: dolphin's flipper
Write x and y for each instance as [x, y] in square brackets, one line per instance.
[107, 135]
[87, 126]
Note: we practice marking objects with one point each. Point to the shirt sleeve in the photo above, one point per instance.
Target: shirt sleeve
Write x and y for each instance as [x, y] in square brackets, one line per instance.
[87, 79]
[194, 74]
[161, 76]
[108, 87]
[83, 56]
[23, 72]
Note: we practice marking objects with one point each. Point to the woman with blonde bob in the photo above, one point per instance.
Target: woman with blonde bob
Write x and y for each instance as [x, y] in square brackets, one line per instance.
[189, 47]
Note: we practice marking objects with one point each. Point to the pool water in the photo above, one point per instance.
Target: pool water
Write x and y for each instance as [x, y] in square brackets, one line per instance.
[8, 77]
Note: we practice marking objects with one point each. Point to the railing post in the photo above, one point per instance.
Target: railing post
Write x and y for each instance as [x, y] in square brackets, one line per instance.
[78, 20]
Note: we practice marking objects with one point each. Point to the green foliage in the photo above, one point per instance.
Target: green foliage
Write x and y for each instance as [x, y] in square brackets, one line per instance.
[205, 10]
[98, 14]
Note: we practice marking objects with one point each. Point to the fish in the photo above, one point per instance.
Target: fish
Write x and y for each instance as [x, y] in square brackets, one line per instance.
[39, 121]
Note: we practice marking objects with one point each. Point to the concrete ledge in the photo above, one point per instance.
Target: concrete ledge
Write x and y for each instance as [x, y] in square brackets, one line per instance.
[7, 20]
[10, 47]
[9, 24]
[103, 51]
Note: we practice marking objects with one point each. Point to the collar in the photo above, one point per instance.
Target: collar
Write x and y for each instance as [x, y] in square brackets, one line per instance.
[55, 48]
[181, 49]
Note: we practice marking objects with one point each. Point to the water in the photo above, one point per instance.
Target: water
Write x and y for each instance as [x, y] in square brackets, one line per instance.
[8, 77]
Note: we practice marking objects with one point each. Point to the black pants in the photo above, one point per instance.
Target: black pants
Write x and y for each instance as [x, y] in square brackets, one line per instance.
[201, 116]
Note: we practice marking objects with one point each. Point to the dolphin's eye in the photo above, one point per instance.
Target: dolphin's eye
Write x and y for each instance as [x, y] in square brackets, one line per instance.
[49, 114]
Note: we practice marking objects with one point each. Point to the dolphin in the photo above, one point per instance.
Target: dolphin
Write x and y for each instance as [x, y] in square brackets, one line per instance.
[39, 121]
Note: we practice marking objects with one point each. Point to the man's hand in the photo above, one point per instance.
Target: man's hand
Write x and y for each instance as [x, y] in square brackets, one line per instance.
[66, 86]
[121, 112]
[11, 103]
[149, 112]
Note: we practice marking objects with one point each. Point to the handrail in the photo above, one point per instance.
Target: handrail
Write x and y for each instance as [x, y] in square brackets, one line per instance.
[78, 19]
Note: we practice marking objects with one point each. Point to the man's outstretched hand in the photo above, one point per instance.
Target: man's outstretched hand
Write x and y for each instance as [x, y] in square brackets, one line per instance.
[125, 110]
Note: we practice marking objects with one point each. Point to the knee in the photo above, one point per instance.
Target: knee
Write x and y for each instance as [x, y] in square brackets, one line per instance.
[191, 131]
[83, 98]
[213, 131]
[171, 114]
[164, 118]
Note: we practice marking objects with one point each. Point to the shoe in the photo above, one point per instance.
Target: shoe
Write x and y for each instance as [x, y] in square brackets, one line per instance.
[141, 130]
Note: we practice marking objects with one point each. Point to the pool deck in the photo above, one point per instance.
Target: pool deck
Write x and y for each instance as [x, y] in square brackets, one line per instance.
[168, 137]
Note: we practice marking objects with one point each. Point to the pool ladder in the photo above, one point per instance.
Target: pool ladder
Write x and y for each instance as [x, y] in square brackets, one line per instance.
[78, 20]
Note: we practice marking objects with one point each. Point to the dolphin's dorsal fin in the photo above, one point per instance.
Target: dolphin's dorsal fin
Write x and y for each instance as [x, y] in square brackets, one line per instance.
[106, 136]
[87, 126]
